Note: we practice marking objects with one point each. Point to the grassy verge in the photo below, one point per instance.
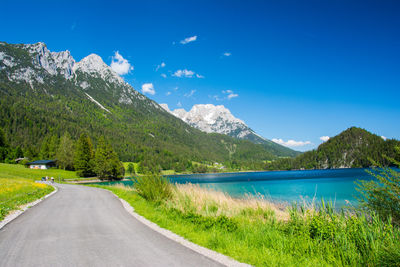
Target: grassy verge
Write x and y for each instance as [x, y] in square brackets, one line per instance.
[255, 232]
[19, 171]
[17, 192]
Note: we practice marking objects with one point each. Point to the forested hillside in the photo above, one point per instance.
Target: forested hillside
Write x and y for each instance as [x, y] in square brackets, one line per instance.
[353, 148]
[45, 94]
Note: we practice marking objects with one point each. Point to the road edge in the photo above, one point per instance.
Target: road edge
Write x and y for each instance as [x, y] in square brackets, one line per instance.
[211, 254]
[9, 218]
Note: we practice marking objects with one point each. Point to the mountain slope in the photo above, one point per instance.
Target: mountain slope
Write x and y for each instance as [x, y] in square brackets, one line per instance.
[353, 148]
[218, 119]
[44, 93]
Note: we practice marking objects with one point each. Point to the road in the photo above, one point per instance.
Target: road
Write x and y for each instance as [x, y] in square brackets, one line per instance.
[84, 226]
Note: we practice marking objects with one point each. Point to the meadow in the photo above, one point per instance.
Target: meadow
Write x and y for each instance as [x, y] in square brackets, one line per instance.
[17, 186]
[253, 231]
[15, 192]
[20, 171]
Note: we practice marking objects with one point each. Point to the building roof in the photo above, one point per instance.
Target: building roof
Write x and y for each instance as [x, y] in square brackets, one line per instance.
[41, 162]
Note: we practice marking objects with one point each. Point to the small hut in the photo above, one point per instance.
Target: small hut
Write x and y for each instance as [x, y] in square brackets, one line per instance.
[41, 164]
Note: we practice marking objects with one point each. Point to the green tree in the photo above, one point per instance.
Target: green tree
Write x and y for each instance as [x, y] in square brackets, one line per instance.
[131, 168]
[3, 146]
[65, 152]
[382, 196]
[84, 156]
[107, 164]
[44, 149]
[3, 142]
[53, 145]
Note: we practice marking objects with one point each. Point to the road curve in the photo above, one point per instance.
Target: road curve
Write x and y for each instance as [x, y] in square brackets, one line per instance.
[84, 226]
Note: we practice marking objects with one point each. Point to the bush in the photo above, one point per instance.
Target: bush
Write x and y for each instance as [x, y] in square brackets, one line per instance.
[153, 187]
[382, 195]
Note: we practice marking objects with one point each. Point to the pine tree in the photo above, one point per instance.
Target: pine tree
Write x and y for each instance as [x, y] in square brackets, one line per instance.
[53, 145]
[84, 155]
[3, 142]
[131, 168]
[65, 152]
[3, 146]
[107, 165]
[44, 148]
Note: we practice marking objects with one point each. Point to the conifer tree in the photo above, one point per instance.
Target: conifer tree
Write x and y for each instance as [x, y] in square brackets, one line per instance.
[107, 165]
[131, 168]
[44, 149]
[84, 155]
[3, 146]
[65, 152]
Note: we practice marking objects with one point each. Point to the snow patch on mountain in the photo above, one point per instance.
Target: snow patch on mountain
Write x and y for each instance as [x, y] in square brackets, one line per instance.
[97, 103]
[213, 119]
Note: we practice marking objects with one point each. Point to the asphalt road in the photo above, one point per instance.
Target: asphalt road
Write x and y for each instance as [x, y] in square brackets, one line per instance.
[84, 226]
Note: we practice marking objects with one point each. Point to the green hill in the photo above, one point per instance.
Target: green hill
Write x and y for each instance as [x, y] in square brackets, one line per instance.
[353, 148]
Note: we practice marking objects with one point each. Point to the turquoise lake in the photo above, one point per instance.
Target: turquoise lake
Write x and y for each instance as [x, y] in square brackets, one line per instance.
[283, 186]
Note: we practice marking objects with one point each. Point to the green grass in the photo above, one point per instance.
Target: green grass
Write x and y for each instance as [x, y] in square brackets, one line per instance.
[254, 233]
[19, 171]
[15, 192]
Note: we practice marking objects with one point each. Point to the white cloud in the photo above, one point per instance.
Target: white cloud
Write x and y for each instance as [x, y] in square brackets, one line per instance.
[148, 88]
[163, 75]
[291, 143]
[230, 94]
[227, 54]
[179, 104]
[216, 97]
[189, 39]
[384, 137]
[162, 65]
[324, 138]
[190, 94]
[199, 76]
[120, 65]
[184, 73]
[168, 93]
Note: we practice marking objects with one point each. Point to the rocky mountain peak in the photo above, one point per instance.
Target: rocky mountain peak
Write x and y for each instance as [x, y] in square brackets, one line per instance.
[213, 119]
[94, 65]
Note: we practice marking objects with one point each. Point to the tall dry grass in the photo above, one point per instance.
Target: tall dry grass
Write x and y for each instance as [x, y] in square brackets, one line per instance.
[209, 202]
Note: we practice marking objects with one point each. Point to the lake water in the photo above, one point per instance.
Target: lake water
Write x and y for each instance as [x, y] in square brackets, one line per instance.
[283, 186]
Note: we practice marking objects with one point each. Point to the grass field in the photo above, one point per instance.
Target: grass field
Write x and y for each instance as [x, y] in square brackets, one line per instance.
[17, 186]
[254, 232]
[15, 192]
[19, 171]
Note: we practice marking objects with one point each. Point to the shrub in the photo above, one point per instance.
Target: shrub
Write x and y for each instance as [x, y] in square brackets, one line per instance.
[153, 187]
[382, 195]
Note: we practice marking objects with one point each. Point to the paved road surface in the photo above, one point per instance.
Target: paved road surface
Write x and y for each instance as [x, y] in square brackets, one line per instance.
[84, 226]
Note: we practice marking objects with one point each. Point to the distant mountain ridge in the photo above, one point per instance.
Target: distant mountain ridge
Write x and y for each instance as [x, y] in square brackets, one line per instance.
[46, 93]
[218, 119]
[352, 148]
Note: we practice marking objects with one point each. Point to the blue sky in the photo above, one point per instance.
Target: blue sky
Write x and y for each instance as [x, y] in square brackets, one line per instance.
[292, 70]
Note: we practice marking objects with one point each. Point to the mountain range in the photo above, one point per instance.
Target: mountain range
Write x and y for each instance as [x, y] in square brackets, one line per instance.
[218, 119]
[47, 93]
